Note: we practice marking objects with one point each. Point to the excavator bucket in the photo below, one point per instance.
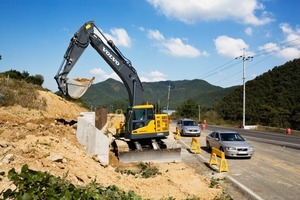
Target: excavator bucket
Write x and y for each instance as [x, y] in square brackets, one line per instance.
[77, 87]
[172, 153]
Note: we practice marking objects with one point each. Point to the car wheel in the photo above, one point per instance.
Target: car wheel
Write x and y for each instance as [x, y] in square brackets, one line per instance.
[208, 145]
[221, 149]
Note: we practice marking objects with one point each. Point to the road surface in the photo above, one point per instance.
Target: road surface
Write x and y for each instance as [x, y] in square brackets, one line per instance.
[272, 173]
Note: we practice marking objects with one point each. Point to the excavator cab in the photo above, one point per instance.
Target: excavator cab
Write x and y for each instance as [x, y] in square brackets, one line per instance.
[143, 123]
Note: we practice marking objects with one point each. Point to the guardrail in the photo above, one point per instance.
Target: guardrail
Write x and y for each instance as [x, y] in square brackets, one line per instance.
[223, 167]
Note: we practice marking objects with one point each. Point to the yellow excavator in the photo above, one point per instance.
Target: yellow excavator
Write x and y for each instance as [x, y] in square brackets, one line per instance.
[144, 134]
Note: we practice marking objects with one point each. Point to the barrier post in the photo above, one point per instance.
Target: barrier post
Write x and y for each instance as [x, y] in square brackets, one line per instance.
[214, 161]
[177, 135]
[195, 146]
[223, 166]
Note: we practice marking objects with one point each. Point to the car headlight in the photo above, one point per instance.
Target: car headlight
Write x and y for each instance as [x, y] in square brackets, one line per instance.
[251, 148]
[230, 148]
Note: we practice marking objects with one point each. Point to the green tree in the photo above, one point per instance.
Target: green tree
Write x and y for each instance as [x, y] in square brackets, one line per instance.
[295, 118]
[187, 109]
[271, 98]
[36, 79]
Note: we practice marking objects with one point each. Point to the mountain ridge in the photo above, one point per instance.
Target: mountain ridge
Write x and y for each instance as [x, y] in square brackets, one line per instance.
[202, 92]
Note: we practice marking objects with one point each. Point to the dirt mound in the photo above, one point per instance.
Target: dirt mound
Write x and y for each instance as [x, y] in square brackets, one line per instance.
[46, 141]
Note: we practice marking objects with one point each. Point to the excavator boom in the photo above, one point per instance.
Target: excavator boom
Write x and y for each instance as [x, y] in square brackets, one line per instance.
[142, 127]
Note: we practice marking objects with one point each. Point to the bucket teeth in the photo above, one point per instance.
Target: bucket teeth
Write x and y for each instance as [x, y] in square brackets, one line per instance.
[160, 155]
[170, 153]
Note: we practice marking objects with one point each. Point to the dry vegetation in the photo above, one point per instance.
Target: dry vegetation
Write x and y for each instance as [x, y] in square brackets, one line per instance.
[31, 134]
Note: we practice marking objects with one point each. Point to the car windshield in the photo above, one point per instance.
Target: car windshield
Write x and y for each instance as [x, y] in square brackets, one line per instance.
[231, 137]
[189, 123]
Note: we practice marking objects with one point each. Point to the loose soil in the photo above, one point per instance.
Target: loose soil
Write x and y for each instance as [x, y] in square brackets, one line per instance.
[46, 141]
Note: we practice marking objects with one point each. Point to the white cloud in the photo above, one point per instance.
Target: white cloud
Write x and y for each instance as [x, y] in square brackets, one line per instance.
[290, 48]
[289, 53]
[192, 11]
[141, 28]
[230, 47]
[101, 75]
[270, 47]
[174, 46]
[248, 31]
[119, 36]
[154, 76]
[155, 34]
[292, 36]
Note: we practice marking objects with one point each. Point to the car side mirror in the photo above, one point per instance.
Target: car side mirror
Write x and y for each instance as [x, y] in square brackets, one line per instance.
[217, 139]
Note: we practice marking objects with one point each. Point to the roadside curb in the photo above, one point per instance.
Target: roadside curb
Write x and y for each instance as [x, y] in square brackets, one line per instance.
[242, 188]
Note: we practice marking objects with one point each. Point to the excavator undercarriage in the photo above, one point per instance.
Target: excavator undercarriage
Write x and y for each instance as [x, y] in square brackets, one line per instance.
[149, 150]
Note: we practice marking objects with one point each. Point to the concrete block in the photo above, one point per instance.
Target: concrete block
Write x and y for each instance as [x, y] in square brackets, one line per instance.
[94, 140]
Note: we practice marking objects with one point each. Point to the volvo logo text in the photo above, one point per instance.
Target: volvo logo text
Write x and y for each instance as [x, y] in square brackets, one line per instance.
[110, 56]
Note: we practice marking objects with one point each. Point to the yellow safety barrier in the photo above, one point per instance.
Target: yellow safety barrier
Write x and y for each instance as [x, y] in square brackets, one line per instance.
[214, 160]
[177, 135]
[195, 146]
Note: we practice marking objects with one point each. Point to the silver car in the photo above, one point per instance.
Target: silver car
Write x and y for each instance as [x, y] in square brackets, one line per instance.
[231, 143]
[188, 127]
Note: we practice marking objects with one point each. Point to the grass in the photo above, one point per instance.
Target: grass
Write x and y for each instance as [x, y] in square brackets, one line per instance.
[19, 92]
[145, 170]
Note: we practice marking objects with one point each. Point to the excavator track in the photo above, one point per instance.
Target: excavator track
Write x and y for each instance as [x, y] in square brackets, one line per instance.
[164, 150]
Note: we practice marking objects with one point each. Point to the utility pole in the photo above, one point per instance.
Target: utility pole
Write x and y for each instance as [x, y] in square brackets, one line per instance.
[168, 100]
[199, 113]
[244, 58]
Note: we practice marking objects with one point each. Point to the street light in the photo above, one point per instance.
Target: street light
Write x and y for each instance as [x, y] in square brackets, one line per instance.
[244, 58]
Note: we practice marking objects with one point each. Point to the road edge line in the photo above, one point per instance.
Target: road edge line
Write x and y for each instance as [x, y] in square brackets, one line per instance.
[236, 183]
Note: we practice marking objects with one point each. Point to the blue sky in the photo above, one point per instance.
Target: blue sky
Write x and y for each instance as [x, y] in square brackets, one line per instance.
[164, 39]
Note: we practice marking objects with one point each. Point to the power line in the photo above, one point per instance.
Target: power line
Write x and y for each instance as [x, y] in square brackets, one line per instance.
[265, 52]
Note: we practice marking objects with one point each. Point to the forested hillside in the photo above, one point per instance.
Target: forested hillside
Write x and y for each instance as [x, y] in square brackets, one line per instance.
[272, 99]
[112, 92]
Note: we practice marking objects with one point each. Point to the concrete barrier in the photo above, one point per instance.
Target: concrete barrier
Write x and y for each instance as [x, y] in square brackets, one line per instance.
[93, 139]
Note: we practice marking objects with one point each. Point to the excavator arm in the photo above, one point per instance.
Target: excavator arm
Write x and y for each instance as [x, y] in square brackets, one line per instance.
[143, 132]
[89, 34]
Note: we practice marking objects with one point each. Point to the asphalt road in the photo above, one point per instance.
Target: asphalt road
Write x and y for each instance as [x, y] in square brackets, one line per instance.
[289, 141]
[272, 173]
